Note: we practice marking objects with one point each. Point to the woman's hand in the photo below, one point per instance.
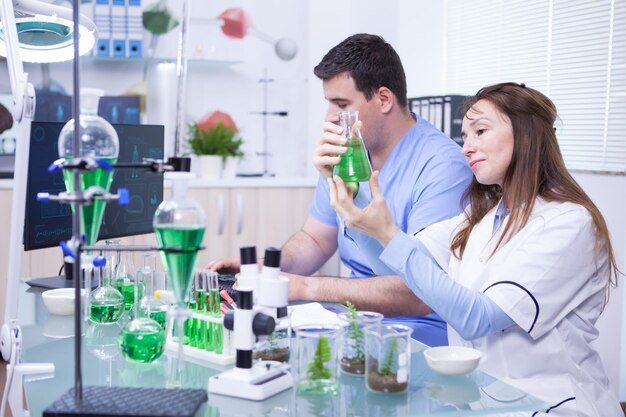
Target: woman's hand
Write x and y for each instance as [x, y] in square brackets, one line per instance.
[330, 145]
[375, 219]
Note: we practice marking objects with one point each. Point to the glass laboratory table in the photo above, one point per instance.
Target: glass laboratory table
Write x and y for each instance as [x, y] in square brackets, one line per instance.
[49, 338]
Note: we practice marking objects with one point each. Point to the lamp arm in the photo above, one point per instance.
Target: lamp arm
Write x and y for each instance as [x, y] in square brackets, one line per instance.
[17, 76]
[23, 109]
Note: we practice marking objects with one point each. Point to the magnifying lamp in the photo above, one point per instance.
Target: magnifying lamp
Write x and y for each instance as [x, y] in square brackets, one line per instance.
[46, 32]
[30, 31]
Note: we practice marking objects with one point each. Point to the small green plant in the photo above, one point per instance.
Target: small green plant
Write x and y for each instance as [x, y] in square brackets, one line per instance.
[272, 340]
[220, 140]
[355, 333]
[390, 356]
[316, 369]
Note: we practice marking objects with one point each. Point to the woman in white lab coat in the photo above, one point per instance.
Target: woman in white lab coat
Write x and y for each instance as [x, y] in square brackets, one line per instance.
[523, 274]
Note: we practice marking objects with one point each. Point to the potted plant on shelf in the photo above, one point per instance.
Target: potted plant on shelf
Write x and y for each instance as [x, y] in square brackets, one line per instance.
[215, 140]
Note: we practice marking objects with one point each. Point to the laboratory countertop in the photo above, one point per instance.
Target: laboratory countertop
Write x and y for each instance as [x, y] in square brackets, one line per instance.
[48, 338]
[236, 182]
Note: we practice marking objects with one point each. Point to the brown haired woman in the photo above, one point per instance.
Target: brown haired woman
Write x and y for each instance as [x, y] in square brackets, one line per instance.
[523, 274]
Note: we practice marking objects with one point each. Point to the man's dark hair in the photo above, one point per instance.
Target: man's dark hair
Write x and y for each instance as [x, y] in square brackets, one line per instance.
[370, 61]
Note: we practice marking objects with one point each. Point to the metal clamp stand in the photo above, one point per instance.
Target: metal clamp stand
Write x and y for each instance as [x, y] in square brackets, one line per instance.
[102, 400]
[262, 380]
[265, 154]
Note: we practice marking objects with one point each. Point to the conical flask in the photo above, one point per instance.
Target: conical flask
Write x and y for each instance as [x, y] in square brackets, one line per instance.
[354, 166]
[99, 140]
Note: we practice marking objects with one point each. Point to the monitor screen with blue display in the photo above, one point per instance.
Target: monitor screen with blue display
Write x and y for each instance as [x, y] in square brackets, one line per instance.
[47, 224]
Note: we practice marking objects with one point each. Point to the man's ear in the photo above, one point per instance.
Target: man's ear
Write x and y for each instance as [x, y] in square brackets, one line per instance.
[386, 99]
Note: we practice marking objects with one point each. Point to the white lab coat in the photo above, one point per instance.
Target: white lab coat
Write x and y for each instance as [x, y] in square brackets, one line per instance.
[550, 279]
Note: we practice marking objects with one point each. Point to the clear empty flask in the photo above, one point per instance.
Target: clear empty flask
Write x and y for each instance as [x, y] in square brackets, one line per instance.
[99, 140]
[354, 166]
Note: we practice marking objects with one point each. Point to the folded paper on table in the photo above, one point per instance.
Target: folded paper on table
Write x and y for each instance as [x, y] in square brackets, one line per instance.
[311, 313]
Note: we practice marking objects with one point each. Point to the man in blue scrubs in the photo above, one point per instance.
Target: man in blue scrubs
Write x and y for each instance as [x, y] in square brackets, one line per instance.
[422, 175]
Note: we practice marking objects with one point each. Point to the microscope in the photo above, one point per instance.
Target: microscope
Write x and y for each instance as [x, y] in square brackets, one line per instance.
[256, 317]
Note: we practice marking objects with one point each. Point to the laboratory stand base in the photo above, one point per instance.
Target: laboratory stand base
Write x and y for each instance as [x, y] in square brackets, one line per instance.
[257, 383]
[100, 401]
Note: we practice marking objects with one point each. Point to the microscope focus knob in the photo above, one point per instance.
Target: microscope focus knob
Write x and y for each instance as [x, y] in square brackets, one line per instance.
[229, 320]
[263, 325]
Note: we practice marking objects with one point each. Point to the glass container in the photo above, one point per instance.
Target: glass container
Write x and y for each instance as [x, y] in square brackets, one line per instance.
[98, 139]
[151, 306]
[354, 165]
[352, 349]
[124, 281]
[316, 364]
[142, 339]
[387, 357]
[106, 303]
[179, 225]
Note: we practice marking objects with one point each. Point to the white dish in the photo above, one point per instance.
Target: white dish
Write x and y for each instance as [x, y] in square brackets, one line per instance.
[60, 301]
[452, 360]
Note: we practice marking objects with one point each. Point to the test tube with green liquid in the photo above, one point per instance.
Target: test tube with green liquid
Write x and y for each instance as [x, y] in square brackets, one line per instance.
[201, 325]
[214, 310]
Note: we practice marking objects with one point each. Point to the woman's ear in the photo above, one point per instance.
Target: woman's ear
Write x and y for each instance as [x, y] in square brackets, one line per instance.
[386, 99]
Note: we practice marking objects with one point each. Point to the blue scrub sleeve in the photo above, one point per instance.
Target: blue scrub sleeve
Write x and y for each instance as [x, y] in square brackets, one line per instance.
[471, 313]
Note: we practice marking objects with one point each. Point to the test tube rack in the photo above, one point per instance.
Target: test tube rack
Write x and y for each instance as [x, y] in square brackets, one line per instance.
[201, 355]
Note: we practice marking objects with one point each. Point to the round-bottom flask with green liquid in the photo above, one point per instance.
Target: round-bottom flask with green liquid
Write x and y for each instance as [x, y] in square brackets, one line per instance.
[107, 304]
[142, 340]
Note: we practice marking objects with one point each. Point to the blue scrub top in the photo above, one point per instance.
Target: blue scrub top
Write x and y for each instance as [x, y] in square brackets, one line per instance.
[423, 180]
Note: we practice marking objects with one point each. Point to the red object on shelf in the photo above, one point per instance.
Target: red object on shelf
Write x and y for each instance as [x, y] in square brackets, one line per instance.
[236, 22]
[210, 120]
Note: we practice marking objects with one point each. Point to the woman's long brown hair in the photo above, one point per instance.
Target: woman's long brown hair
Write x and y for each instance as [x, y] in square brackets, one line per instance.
[536, 170]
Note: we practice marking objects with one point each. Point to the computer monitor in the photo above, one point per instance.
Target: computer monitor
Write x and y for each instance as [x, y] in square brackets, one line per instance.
[47, 224]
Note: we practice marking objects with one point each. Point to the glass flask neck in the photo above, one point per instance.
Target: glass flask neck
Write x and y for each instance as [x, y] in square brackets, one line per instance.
[348, 120]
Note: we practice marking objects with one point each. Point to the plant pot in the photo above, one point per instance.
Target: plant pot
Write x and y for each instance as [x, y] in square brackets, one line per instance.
[316, 360]
[230, 167]
[388, 357]
[210, 167]
[352, 349]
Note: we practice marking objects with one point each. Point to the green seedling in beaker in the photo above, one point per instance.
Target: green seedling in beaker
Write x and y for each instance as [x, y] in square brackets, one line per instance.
[316, 370]
[355, 333]
[387, 365]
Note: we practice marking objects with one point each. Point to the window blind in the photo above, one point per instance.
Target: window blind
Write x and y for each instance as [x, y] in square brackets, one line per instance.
[574, 51]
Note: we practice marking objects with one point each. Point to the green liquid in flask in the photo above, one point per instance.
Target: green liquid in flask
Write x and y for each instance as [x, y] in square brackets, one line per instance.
[180, 265]
[354, 165]
[142, 343]
[91, 220]
[106, 313]
[159, 316]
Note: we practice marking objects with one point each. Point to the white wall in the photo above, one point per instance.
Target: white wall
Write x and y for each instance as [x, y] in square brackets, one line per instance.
[609, 193]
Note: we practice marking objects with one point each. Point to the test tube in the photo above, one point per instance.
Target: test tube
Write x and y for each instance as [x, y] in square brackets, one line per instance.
[215, 311]
[201, 325]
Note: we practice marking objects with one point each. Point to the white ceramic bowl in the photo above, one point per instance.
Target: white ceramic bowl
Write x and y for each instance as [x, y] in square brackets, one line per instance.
[61, 300]
[452, 360]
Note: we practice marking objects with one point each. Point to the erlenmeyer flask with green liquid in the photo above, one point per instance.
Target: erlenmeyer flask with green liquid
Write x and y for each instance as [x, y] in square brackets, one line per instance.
[354, 166]
[99, 140]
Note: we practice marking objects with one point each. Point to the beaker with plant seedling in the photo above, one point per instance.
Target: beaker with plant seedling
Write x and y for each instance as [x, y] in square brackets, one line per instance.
[316, 359]
[387, 357]
[352, 348]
